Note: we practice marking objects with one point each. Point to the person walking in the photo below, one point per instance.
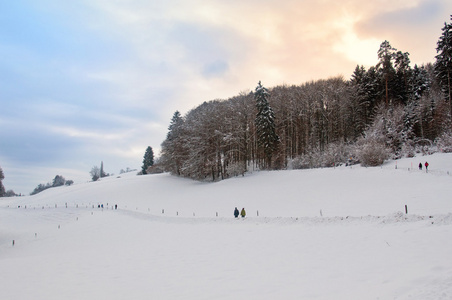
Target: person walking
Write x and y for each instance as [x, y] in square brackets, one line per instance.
[420, 166]
[426, 166]
[236, 212]
[243, 213]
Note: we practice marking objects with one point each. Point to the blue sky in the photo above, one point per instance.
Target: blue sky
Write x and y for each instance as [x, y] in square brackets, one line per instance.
[88, 81]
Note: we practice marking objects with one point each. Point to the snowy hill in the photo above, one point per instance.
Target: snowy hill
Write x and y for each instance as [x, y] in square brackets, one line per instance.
[339, 233]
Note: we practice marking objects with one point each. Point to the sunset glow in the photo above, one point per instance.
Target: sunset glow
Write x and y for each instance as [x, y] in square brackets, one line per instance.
[97, 69]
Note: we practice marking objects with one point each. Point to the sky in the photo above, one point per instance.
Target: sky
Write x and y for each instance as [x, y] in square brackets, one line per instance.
[91, 81]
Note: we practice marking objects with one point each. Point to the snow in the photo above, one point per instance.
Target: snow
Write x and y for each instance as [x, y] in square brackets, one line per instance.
[338, 233]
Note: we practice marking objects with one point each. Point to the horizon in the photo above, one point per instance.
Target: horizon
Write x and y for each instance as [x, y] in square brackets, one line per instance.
[94, 81]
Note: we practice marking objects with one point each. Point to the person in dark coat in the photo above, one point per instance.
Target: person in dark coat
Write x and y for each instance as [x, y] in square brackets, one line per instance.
[236, 212]
[243, 213]
[420, 166]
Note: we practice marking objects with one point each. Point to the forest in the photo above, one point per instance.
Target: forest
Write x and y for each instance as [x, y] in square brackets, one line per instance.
[390, 110]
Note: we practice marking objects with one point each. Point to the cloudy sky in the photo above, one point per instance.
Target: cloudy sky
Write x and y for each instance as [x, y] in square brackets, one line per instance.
[98, 80]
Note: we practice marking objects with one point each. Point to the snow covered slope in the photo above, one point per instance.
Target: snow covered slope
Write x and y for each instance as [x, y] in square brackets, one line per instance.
[339, 233]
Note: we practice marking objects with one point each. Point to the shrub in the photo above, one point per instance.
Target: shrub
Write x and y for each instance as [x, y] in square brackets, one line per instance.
[444, 142]
[372, 153]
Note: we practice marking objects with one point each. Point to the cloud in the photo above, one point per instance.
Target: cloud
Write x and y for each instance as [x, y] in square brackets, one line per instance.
[97, 80]
[215, 68]
[414, 28]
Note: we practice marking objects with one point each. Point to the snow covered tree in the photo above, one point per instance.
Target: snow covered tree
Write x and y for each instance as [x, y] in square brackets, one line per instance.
[58, 181]
[367, 91]
[41, 187]
[402, 76]
[371, 152]
[418, 85]
[2, 187]
[419, 82]
[443, 64]
[10, 193]
[317, 121]
[148, 159]
[371, 149]
[385, 66]
[173, 148]
[444, 142]
[267, 139]
[95, 173]
[359, 104]
[102, 172]
[240, 132]
[205, 141]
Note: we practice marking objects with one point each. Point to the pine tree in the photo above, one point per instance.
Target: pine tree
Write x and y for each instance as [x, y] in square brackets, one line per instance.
[58, 181]
[2, 187]
[267, 139]
[443, 65]
[173, 148]
[148, 160]
[419, 83]
[359, 96]
[385, 56]
[402, 76]
[102, 172]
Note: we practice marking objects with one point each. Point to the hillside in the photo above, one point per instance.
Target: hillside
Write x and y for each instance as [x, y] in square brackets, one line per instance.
[339, 233]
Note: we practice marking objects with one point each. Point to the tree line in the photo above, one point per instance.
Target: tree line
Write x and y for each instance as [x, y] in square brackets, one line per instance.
[3, 191]
[391, 109]
[56, 182]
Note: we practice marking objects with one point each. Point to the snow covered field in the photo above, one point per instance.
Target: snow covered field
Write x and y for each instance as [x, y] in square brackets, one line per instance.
[337, 233]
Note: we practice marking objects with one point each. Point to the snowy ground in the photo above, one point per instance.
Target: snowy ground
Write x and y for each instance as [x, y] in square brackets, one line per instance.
[310, 234]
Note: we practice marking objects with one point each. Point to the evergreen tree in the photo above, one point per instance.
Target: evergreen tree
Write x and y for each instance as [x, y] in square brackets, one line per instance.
[102, 172]
[360, 100]
[148, 160]
[385, 56]
[58, 181]
[41, 187]
[402, 76]
[173, 148]
[267, 139]
[318, 121]
[443, 65]
[2, 188]
[374, 91]
[419, 82]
